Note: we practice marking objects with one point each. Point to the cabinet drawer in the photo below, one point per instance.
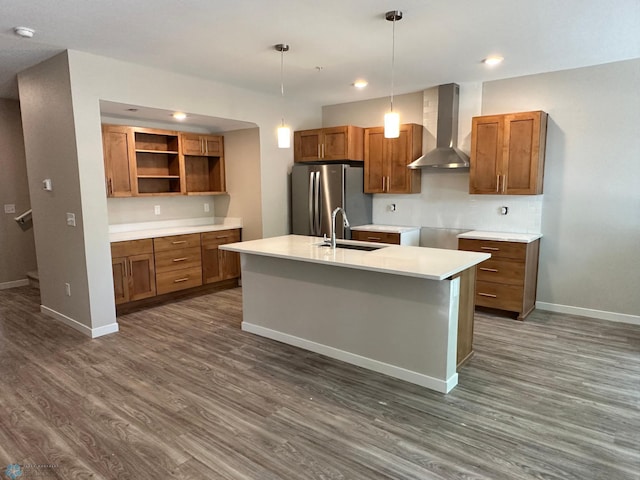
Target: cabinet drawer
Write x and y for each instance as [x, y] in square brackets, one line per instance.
[181, 258]
[377, 237]
[221, 237]
[175, 280]
[176, 242]
[496, 295]
[131, 247]
[497, 249]
[501, 271]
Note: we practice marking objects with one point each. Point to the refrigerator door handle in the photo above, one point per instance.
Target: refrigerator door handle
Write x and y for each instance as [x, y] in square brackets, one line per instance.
[312, 210]
[318, 206]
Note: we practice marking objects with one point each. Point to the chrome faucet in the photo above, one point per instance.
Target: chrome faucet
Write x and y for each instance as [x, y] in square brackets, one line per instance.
[333, 224]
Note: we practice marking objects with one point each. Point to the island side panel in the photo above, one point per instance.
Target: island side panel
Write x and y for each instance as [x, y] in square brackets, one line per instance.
[401, 326]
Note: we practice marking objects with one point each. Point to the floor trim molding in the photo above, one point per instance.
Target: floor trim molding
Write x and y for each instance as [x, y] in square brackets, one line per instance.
[88, 331]
[14, 284]
[352, 358]
[588, 312]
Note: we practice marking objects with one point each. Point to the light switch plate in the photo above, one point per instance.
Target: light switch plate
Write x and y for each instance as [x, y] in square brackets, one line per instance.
[9, 208]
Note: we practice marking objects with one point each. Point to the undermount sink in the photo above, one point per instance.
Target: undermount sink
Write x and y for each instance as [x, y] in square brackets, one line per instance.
[354, 246]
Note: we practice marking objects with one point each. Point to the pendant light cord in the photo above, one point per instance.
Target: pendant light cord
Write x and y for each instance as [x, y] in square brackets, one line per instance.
[393, 57]
[282, 81]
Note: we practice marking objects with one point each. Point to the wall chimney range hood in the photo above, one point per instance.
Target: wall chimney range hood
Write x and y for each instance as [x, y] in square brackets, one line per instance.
[446, 154]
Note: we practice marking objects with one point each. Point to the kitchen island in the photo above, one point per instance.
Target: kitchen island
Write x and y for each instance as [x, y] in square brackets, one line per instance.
[396, 309]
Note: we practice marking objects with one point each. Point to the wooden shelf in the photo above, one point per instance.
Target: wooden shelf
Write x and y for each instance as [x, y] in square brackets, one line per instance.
[148, 161]
[174, 152]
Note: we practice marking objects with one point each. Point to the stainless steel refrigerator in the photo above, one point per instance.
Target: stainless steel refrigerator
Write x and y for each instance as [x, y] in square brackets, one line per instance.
[316, 190]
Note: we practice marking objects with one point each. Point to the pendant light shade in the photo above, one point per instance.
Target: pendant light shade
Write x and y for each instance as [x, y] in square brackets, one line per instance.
[284, 136]
[284, 132]
[391, 118]
[391, 125]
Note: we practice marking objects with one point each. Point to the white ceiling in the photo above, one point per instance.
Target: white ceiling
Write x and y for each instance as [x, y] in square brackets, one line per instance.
[437, 41]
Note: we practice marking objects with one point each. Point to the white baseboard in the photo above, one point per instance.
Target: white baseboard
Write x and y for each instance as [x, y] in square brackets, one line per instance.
[14, 284]
[588, 312]
[348, 357]
[88, 331]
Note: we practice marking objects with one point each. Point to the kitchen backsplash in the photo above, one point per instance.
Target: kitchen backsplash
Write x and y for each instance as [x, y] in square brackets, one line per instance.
[143, 209]
[446, 203]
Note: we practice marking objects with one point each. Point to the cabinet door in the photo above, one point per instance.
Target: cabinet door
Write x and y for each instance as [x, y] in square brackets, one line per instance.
[213, 145]
[211, 268]
[486, 154]
[120, 280]
[335, 143]
[192, 144]
[524, 153]
[118, 149]
[375, 173]
[142, 278]
[398, 154]
[230, 264]
[306, 145]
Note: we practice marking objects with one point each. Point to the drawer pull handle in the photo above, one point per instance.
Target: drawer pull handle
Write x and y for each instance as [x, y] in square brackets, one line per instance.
[487, 295]
[178, 280]
[179, 259]
[223, 236]
[178, 242]
[488, 269]
[490, 248]
[374, 238]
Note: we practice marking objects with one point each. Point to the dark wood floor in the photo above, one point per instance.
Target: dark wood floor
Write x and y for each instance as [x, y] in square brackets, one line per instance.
[181, 392]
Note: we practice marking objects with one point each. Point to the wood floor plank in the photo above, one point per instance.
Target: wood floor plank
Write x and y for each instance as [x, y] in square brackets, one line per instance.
[181, 392]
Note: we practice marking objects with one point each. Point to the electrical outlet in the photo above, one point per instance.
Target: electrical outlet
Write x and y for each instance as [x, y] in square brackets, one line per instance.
[71, 219]
[67, 289]
[9, 208]
[206, 207]
[156, 209]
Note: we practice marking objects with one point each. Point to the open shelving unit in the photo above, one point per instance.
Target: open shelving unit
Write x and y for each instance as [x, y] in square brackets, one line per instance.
[158, 164]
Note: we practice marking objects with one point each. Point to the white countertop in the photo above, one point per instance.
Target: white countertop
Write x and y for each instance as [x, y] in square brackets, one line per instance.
[137, 231]
[385, 228]
[421, 262]
[501, 236]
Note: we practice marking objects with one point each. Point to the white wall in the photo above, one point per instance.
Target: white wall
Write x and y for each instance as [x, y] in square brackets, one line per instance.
[62, 98]
[590, 253]
[242, 163]
[17, 247]
[51, 152]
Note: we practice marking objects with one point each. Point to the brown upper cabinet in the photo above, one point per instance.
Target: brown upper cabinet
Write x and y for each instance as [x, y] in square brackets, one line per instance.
[386, 160]
[507, 153]
[150, 162]
[328, 144]
[206, 145]
[117, 143]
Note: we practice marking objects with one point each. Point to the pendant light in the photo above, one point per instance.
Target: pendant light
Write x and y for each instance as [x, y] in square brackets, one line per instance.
[284, 132]
[391, 118]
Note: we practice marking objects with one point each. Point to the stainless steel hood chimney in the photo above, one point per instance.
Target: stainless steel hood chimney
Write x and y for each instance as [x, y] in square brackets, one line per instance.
[446, 154]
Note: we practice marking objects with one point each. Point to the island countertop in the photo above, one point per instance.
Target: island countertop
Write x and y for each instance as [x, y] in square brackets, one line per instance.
[420, 262]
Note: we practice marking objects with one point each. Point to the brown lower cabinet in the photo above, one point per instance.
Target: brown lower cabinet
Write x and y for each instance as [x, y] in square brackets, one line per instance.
[162, 265]
[508, 280]
[133, 270]
[219, 265]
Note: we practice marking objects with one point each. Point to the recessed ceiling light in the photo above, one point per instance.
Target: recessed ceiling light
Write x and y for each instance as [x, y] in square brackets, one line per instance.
[360, 83]
[24, 32]
[493, 60]
[179, 115]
